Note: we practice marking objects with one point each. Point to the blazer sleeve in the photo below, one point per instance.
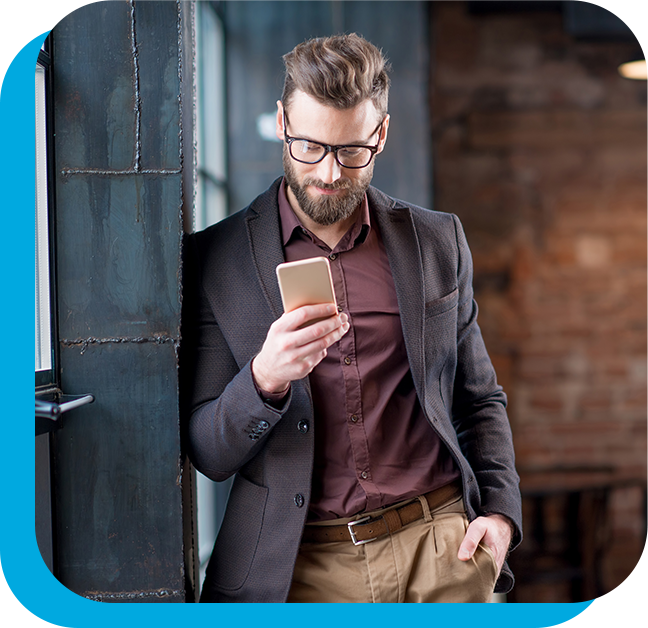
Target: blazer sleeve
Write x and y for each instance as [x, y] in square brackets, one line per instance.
[479, 407]
[225, 420]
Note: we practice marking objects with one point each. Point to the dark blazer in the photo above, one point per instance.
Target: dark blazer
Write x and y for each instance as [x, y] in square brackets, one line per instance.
[231, 298]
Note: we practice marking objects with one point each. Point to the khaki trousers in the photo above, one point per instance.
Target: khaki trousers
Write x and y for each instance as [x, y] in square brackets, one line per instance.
[416, 564]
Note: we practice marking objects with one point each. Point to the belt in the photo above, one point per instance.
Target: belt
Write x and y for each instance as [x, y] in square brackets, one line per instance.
[369, 528]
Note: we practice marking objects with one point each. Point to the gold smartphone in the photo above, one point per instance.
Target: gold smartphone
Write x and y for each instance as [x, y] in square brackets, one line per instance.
[306, 282]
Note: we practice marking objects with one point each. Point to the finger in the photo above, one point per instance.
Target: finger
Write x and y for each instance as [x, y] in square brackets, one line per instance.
[321, 331]
[316, 358]
[296, 318]
[336, 334]
[315, 351]
[474, 534]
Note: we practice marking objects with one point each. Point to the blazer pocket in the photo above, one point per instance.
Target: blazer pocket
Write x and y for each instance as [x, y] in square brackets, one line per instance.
[439, 306]
[238, 537]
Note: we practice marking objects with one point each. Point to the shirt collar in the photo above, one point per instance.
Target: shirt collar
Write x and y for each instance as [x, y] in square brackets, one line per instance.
[290, 222]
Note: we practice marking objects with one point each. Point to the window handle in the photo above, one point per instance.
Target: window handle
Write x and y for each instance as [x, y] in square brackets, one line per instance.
[52, 410]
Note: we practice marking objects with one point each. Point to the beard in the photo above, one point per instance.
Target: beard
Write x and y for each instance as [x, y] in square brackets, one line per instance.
[327, 210]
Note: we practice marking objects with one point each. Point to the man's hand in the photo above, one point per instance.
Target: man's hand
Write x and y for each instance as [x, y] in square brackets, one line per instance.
[290, 353]
[494, 530]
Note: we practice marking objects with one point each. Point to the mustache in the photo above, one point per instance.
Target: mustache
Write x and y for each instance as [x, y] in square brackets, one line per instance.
[340, 184]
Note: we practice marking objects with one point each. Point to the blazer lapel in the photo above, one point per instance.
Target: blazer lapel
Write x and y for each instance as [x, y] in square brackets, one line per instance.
[264, 234]
[398, 233]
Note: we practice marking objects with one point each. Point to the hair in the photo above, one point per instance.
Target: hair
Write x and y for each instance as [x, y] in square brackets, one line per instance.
[340, 71]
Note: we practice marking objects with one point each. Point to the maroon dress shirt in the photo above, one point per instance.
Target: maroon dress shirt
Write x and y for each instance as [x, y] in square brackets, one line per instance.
[373, 444]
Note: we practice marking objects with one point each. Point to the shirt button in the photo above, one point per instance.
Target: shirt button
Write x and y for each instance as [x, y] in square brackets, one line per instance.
[332, 256]
[354, 418]
[299, 500]
[340, 308]
[302, 426]
[364, 475]
[347, 360]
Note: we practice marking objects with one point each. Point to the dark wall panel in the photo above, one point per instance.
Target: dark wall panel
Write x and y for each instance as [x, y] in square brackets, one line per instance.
[158, 50]
[118, 255]
[117, 470]
[117, 463]
[97, 122]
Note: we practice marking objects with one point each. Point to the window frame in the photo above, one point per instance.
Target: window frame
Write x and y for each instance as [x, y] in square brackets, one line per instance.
[47, 380]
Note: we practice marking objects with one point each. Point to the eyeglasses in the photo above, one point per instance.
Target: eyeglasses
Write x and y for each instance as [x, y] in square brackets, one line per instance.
[348, 156]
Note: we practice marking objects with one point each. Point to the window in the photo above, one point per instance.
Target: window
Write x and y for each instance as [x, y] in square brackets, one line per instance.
[211, 191]
[211, 206]
[45, 334]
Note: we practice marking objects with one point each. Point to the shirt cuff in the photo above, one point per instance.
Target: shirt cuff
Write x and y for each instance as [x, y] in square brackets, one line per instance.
[275, 399]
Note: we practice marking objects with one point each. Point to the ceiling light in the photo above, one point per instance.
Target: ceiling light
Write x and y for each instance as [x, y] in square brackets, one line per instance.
[634, 70]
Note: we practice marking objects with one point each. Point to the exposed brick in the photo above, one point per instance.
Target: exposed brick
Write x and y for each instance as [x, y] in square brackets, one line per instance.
[554, 129]
[540, 148]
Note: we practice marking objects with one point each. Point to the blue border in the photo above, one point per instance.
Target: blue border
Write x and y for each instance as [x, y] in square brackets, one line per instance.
[25, 572]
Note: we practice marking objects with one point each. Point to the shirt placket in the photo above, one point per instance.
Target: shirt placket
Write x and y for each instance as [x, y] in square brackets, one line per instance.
[353, 388]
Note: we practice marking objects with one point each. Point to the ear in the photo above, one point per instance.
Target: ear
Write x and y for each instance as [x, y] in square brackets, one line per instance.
[279, 127]
[383, 134]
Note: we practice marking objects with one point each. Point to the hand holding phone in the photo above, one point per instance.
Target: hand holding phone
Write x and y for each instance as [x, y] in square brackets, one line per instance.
[298, 341]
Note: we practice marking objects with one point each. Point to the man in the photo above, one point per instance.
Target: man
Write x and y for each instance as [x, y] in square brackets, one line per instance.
[362, 444]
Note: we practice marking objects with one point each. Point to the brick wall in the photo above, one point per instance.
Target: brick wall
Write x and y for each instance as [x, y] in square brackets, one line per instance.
[540, 148]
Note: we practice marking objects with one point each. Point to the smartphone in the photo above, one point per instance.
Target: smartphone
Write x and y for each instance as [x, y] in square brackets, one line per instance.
[306, 282]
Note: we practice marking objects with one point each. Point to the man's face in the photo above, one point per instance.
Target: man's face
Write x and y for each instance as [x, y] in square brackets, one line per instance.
[327, 192]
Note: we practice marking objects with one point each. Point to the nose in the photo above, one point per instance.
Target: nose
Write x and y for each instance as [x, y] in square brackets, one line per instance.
[329, 170]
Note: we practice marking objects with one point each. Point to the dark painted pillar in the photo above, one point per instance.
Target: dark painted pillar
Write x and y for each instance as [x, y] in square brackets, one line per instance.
[122, 531]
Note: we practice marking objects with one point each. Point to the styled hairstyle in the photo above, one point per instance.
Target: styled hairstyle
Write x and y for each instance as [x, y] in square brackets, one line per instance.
[340, 71]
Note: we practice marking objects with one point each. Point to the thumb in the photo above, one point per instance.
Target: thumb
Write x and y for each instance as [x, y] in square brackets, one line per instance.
[474, 535]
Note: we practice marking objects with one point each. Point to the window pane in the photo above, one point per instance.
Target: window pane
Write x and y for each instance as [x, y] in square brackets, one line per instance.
[211, 98]
[211, 203]
[211, 190]
[215, 201]
[43, 325]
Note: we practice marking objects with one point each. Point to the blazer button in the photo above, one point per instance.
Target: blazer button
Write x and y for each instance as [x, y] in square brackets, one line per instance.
[302, 426]
[299, 500]
[264, 425]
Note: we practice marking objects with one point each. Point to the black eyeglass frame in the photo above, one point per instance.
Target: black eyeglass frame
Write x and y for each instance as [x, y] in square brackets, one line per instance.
[330, 149]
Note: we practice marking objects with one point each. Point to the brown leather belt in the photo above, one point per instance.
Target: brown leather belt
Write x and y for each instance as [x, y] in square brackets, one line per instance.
[369, 529]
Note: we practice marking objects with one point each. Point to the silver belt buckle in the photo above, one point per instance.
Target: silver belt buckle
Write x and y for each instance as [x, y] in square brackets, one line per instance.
[352, 533]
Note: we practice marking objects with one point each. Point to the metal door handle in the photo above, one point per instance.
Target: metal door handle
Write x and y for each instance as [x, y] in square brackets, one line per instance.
[52, 410]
